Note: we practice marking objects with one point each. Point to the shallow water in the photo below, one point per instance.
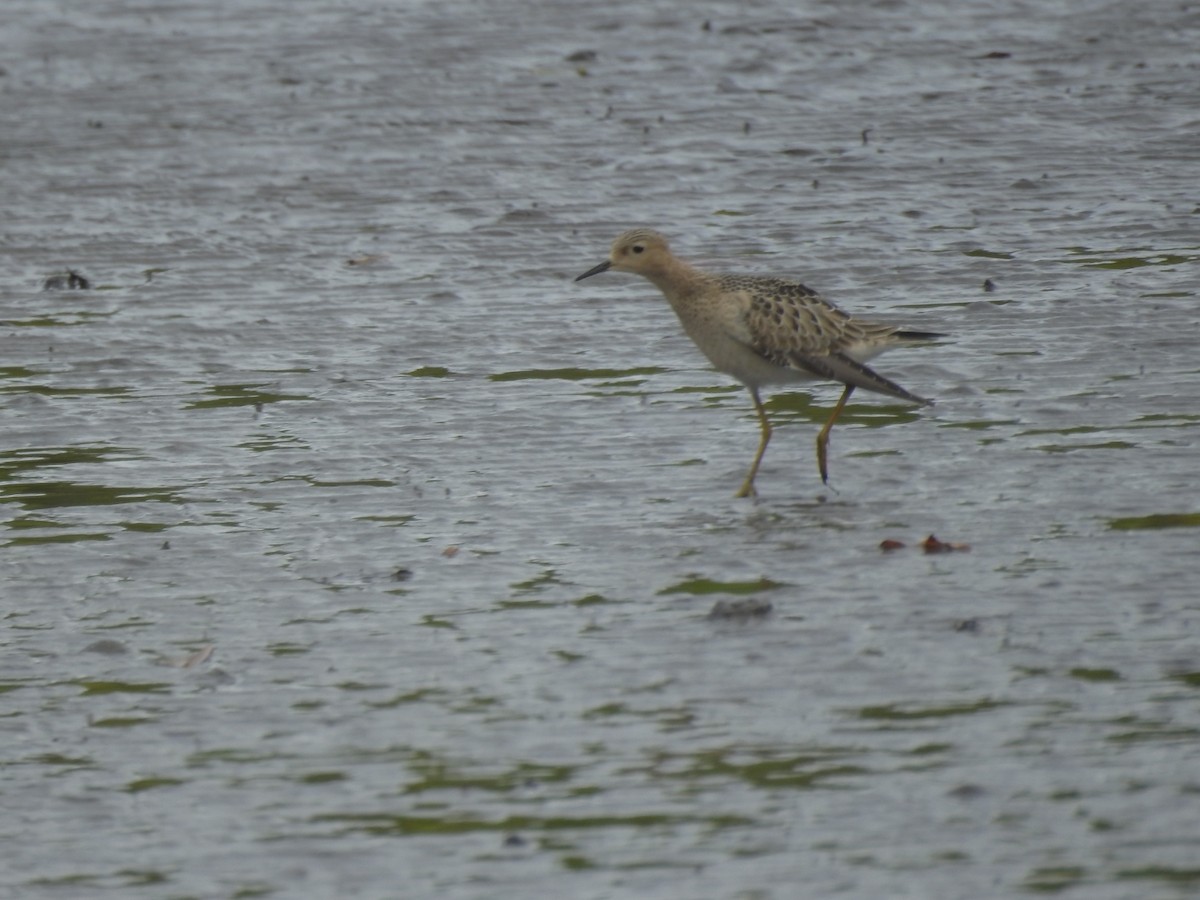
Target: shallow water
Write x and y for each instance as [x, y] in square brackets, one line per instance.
[352, 549]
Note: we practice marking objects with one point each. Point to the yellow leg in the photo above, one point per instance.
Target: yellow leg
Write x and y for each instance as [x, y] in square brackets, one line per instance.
[748, 485]
[823, 437]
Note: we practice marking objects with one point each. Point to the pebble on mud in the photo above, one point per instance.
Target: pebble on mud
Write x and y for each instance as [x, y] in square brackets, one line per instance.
[69, 280]
[107, 646]
[741, 609]
[930, 545]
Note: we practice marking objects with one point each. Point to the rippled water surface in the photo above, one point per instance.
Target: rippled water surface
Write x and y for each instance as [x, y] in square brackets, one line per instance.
[351, 549]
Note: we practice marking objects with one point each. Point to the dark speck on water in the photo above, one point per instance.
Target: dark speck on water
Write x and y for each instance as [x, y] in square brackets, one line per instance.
[66, 281]
[106, 647]
[740, 608]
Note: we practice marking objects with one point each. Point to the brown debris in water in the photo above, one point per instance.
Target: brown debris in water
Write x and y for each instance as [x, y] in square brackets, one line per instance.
[932, 545]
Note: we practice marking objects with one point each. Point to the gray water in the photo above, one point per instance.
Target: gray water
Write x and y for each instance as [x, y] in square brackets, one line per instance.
[352, 550]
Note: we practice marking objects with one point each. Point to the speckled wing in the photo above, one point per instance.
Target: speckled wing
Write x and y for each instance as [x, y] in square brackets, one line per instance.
[792, 325]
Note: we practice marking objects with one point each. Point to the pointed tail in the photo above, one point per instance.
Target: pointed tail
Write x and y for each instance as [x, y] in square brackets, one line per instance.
[918, 335]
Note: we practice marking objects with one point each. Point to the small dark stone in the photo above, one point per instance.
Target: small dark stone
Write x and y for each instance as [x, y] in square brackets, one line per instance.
[66, 281]
[740, 609]
[107, 646]
[967, 791]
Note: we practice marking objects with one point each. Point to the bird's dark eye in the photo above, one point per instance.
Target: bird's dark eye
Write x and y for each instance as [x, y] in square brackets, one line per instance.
[638, 248]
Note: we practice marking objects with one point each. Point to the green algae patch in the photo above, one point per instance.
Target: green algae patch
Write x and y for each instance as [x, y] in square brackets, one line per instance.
[573, 374]
[704, 586]
[1155, 521]
[894, 712]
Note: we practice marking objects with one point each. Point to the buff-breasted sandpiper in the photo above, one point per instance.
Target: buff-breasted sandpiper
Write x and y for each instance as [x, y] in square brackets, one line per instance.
[764, 330]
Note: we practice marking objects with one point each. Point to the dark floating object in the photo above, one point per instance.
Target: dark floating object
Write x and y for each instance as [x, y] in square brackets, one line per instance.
[107, 647]
[930, 545]
[988, 285]
[66, 281]
[740, 609]
[967, 791]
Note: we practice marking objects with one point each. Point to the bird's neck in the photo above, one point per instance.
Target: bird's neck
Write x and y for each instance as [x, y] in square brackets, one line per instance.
[677, 279]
